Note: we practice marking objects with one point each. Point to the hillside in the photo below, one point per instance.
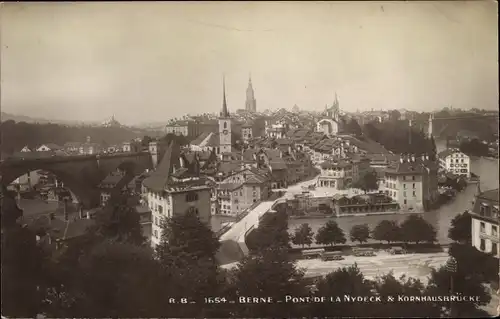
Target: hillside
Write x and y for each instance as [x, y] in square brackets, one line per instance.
[14, 136]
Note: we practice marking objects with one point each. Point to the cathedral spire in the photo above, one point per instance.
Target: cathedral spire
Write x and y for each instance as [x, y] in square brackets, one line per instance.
[224, 112]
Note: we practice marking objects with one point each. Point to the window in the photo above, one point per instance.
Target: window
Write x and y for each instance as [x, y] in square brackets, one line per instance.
[155, 233]
[404, 202]
[414, 194]
[156, 221]
[191, 197]
[225, 124]
[413, 177]
[482, 227]
[160, 209]
[462, 160]
[404, 194]
[404, 186]
[482, 246]
[494, 230]
[494, 249]
[193, 210]
[413, 185]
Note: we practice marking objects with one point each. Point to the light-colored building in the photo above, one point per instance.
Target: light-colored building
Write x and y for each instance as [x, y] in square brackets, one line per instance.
[330, 123]
[335, 174]
[187, 128]
[174, 188]
[412, 182]
[485, 222]
[239, 191]
[454, 161]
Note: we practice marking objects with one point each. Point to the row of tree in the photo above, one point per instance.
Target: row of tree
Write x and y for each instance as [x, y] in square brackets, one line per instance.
[414, 229]
[397, 137]
[112, 272]
[474, 148]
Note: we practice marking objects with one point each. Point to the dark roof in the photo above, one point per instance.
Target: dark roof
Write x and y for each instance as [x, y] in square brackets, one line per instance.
[230, 186]
[414, 168]
[331, 164]
[278, 165]
[160, 178]
[200, 138]
[491, 195]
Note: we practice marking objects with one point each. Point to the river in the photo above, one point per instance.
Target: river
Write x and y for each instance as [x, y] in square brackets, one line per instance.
[486, 168]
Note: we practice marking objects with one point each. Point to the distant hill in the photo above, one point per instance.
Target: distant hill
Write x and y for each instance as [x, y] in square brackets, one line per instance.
[23, 118]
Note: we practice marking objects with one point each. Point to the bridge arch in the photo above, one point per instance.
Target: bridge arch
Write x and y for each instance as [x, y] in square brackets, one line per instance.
[80, 174]
[77, 187]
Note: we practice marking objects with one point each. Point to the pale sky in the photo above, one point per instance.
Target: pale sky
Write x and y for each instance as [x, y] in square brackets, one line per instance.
[148, 62]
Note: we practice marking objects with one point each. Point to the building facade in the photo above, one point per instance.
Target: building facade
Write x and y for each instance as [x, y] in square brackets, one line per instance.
[485, 222]
[335, 174]
[330, 123]
[174, 188]
[454, 161]
[412, 182]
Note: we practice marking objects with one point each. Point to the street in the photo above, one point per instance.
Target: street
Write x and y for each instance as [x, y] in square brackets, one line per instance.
[412, 265]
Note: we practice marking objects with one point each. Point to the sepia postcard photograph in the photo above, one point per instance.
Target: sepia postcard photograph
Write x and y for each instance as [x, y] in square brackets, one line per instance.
[249, 159]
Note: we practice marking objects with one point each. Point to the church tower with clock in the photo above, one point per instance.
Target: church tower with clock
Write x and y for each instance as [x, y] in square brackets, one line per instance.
[224, 124]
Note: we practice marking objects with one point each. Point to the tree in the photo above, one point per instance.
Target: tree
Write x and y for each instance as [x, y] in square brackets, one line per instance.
[360, 233]
[387, 230]
[270, 274]
[416, 229]
[472, 261]
[119, 221]
[354, 128]
[344, 281]
[395, 115]
[388, 286]
[23, 264]
[461, 228]
[303, 235]
[186, 253]
[330, 234]
[468, 284]
[367, 182]
[146, 140]
[110, 279]
[272, 231]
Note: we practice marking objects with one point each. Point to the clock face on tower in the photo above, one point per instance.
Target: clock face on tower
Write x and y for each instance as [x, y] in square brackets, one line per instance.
[225, 132]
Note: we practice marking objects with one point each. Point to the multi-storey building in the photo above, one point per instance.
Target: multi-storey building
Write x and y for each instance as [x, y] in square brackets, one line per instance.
[454, 161]
[174, 188]
[335, 174]
[412, 182]
[485, 222]
[187, 128]
[239, 191]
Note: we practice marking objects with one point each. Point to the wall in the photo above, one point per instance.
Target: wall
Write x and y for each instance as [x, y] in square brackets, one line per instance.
[487, 235]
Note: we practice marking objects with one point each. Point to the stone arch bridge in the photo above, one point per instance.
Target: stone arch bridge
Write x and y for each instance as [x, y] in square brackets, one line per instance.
[441, 127]
[80, 173]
